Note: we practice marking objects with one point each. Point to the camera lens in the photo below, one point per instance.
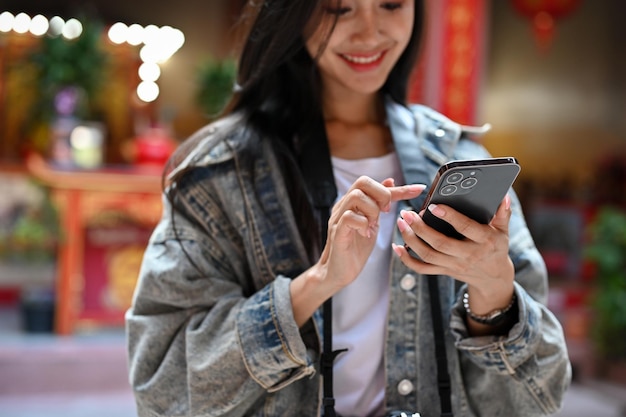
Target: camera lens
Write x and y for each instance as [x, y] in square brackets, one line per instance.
[469, 183]
[454, 178]
[448, 189]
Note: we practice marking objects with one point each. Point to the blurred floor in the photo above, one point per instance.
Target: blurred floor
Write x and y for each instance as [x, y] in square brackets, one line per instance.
[44, 375]
[85, 376]
[106, 404]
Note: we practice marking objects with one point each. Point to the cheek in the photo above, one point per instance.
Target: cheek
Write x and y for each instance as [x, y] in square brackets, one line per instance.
[313, 42]
[403, 27]
[407, 26]
[403, 41]
[315, 39]
[312, 48]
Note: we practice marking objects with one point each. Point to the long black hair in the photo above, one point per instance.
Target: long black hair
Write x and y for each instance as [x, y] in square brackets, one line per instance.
[278, 86]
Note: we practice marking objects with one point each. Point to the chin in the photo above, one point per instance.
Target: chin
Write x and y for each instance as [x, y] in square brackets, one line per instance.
[365, 87]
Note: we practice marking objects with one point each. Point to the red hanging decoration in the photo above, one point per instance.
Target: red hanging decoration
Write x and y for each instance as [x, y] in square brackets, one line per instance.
[543, 15]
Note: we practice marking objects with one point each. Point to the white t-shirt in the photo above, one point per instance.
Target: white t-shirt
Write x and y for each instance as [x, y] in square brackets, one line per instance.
[360, 309]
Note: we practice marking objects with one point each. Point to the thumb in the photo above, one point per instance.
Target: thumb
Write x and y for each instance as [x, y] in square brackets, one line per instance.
[501, 219]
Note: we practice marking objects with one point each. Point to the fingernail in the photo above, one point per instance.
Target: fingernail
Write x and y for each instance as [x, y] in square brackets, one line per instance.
[396, 249]
[416, 187]
[507, 201]
[436, 210]
[407, 216]
[402, 225]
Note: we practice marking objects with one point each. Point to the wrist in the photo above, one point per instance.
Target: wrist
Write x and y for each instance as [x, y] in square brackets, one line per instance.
[492, 318]
[482, 302]
[308, 292]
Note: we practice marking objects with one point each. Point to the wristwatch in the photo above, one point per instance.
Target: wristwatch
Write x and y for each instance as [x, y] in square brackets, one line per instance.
[493, 317]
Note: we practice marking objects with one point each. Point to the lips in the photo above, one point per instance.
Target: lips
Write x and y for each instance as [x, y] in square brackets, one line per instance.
[363, 62]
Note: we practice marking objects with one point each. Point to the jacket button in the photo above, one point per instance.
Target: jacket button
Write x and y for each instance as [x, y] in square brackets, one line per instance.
[407, 283]
[405, 387]
[440, 133]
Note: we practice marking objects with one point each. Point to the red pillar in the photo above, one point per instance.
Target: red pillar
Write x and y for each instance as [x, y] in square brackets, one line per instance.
[449, 75]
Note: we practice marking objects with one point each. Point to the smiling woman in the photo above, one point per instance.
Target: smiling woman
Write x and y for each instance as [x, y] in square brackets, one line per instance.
[293, 213]
[368, 39]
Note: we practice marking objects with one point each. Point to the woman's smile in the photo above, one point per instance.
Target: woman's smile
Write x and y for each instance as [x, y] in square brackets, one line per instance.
[364, 62]
[367, 39]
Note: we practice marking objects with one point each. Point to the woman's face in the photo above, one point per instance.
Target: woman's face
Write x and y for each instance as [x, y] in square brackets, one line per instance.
[367, 41]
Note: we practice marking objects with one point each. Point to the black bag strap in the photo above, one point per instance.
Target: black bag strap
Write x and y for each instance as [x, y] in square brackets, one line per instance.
[328, 354]
[443, 375]
[317, 170]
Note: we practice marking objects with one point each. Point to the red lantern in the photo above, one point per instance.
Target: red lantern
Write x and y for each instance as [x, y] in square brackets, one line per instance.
[544, 14]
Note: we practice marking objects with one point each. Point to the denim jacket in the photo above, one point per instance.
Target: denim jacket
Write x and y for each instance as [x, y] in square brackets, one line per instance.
[211, 330]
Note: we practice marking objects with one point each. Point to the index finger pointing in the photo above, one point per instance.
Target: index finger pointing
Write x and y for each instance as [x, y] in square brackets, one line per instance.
[406, 192]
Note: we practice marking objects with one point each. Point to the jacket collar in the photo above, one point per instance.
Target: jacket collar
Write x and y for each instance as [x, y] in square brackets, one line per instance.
[421, 128]
[425, 140]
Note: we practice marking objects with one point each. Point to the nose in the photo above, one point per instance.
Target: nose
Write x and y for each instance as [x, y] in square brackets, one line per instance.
[366, 26]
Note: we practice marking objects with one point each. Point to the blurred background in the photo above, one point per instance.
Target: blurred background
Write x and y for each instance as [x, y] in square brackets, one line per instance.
[95, 95]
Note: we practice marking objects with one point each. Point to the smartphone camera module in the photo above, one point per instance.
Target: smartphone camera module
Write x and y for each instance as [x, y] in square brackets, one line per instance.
[459, 182]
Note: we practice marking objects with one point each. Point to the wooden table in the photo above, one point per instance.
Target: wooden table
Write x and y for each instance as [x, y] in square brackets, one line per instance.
[91, 204]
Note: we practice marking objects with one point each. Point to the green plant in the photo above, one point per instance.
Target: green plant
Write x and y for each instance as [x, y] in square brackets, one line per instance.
[59, 63]
[215, 80]
[34, 236]
[607, 250]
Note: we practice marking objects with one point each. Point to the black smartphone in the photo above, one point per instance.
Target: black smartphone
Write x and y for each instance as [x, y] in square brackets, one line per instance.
[473, 187]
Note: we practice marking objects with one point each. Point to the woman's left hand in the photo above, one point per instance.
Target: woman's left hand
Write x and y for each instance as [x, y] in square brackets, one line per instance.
[481, 259]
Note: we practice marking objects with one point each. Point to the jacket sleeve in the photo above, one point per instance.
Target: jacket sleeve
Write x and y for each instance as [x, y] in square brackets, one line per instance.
[529, 366]
[200, 341]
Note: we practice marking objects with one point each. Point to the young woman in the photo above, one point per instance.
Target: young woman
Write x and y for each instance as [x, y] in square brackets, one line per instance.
[226, 318]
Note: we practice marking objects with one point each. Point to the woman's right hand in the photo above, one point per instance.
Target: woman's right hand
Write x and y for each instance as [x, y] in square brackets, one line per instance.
[352, 230]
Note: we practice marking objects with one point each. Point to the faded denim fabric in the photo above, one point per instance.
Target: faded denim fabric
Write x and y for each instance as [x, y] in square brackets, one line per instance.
[215, 335]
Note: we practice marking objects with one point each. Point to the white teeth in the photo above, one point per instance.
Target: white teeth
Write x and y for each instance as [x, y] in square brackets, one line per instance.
[362, 59]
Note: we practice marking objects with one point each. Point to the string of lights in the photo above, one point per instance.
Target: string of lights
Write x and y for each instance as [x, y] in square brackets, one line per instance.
[156, 44]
